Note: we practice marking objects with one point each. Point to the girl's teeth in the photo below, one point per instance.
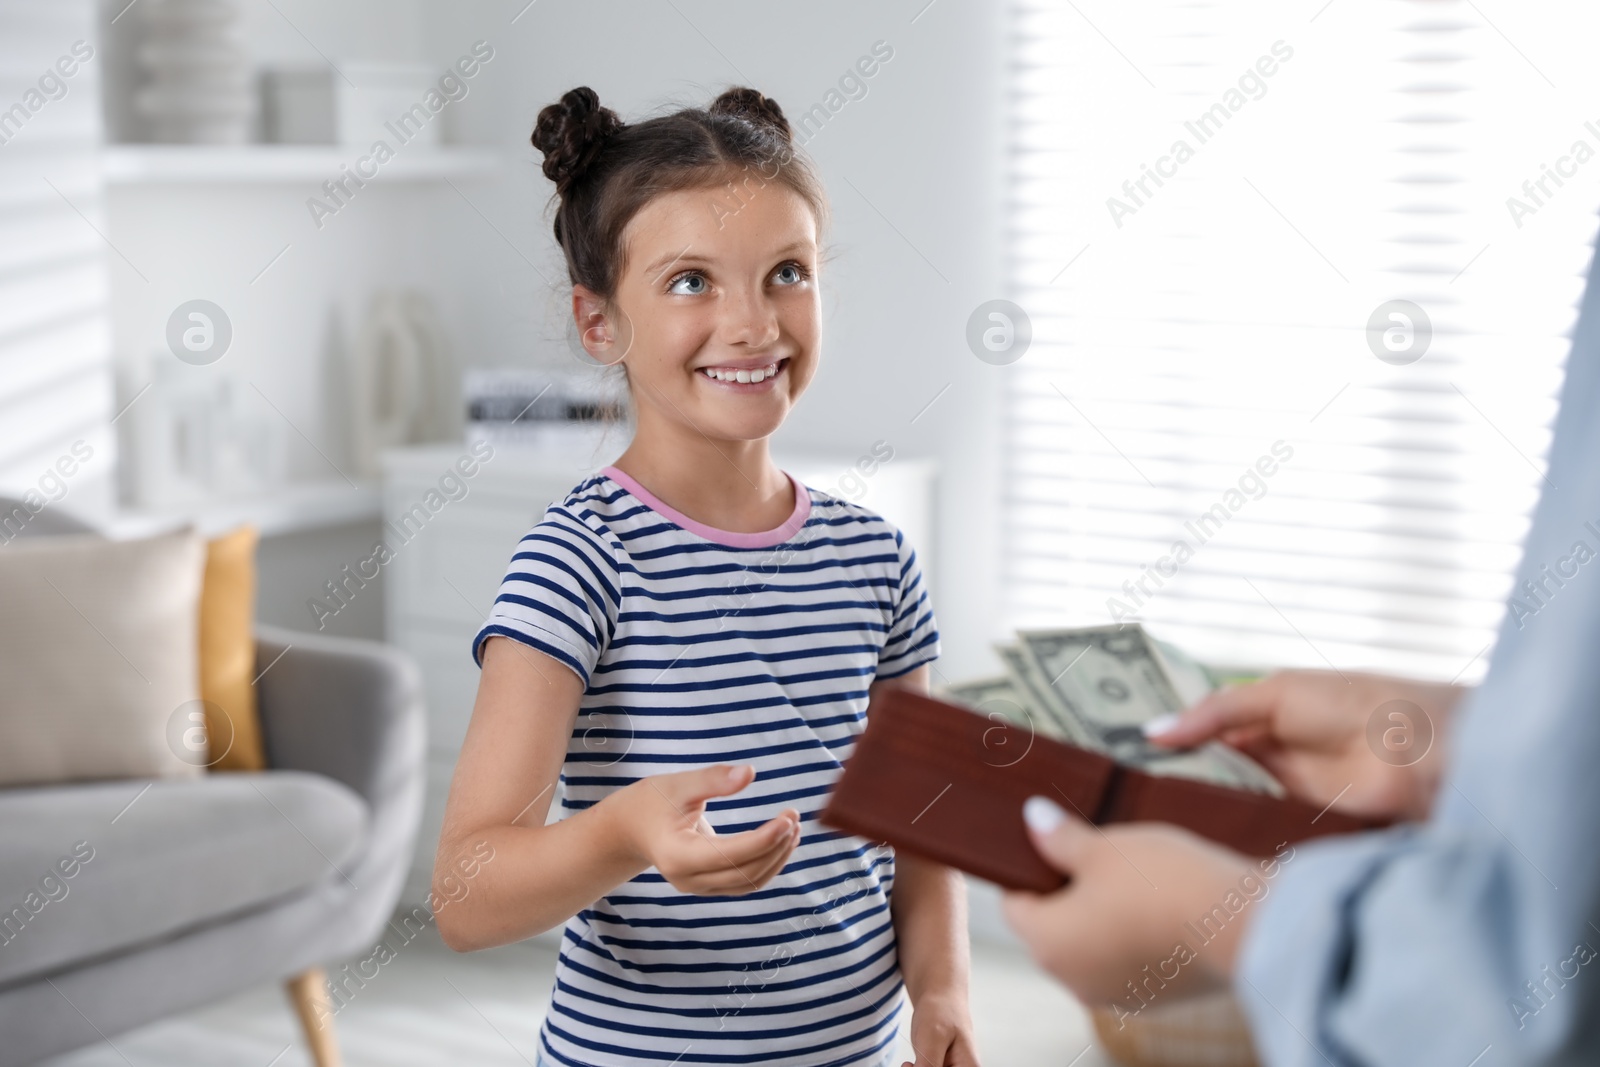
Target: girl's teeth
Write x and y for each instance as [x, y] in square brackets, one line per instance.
[760, 374]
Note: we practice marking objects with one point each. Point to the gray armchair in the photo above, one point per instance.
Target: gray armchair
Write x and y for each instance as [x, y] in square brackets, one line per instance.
[198, 888]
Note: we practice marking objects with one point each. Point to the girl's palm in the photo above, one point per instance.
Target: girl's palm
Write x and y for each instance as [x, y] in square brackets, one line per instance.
[668, 825]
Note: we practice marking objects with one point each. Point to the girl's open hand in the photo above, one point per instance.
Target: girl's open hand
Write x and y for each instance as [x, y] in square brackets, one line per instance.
[663, 819]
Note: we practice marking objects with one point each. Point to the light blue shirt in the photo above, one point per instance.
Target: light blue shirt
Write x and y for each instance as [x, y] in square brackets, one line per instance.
[1471, 940]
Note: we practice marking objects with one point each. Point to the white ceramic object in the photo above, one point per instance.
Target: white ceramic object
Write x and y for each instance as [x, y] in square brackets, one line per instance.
[199, 87]
[389, 375]
[436, 416]
[199, 437]
[385, 101]
[298, 105]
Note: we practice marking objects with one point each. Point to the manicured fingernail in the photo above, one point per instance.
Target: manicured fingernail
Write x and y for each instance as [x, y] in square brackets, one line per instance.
[1159, 725]
[1042, 814]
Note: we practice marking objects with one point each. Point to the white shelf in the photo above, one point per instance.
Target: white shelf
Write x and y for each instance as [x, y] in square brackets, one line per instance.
[259, 164]
[290, 509]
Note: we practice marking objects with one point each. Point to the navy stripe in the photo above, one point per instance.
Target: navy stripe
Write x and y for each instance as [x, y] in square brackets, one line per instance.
[761, 919]
[546, 647]
[844, 696]
[761, 611]
[545, 609]
[606, 733]
[737, 681]
[766, 775]
[856, 852]
[697, 662]
[700, 549]
[700, 757]
[759, 894]
[770, 1033]
[735, 944]
[766, 1056]
[741, 635]
[584, 552]
[889, 973]
[797, 983]
[766, 587]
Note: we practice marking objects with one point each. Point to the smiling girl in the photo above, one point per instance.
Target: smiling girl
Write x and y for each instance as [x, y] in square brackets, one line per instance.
[689, 641]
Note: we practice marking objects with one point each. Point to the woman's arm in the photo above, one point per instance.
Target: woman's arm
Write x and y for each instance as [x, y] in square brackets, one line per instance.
[531, 877]
[929, 908]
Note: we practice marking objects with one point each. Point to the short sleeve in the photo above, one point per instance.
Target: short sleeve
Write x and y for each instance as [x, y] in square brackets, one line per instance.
[913, 637]
[559, 595]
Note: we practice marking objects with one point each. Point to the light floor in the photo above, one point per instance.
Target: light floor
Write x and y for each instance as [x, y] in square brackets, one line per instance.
[431, 1006]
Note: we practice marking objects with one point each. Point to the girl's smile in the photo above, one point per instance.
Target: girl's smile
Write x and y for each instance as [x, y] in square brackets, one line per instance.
[745, 377]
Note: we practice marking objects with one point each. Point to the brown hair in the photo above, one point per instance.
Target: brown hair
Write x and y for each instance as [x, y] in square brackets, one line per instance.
[605, 170]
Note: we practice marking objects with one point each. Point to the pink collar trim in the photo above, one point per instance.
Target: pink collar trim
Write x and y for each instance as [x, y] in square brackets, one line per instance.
[762, 539]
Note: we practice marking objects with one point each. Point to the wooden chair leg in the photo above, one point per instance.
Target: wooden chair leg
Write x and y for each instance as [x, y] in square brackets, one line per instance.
[309, 992]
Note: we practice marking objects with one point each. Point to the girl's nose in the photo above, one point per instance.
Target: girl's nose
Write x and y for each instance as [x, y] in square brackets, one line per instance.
[749, 319]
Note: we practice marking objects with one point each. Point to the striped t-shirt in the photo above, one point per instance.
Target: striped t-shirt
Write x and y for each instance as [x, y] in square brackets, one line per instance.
[700, 646]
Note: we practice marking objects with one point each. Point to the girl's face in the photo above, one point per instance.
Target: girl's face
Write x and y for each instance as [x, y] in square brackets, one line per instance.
[717, 312]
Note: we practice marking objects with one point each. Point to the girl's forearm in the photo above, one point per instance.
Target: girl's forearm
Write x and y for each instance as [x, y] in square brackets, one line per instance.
[537, 878]
[930, 924]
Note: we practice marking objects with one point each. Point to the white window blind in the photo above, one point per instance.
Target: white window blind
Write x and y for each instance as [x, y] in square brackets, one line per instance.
[55, 363]
[1350, 154]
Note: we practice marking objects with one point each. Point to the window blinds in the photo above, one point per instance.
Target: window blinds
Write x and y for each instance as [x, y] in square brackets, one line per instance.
[55, 365]
[1208, 205]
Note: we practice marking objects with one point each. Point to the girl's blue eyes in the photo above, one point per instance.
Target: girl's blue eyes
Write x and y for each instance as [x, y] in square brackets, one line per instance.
[693, 283]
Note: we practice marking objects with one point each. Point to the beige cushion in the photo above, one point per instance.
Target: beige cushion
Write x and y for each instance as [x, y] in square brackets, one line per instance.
[98, 656]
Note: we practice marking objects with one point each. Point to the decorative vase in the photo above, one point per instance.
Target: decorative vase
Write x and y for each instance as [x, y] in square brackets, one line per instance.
[199, 87]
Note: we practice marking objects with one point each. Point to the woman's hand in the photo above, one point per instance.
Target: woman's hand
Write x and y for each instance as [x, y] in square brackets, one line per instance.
[1373, 743]
[1151, 912]
[941, 1032]
[662, 819]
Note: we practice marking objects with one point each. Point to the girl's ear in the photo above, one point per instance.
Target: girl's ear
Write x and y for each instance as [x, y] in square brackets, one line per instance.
[595, 330]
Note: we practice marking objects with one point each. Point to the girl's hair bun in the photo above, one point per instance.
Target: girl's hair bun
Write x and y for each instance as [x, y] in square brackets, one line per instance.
[571, 134]
[753, 106]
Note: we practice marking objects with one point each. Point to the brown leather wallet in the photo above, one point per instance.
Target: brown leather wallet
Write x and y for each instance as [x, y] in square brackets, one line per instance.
[944, 782]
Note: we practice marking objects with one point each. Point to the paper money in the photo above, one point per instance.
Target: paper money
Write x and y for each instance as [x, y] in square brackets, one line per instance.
[1191, 678]
[1034, 692]
[1108, 681]
[997, 694]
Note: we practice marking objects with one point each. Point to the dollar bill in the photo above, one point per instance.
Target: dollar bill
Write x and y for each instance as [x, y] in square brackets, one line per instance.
[1105, 682]
[1191, 678]
[997, 694]
[1034, 692]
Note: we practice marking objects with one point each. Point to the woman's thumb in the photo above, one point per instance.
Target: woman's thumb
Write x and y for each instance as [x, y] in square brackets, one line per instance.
[1061, 838]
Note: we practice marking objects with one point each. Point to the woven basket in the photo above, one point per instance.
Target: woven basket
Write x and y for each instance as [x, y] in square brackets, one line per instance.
[1203, 1031]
